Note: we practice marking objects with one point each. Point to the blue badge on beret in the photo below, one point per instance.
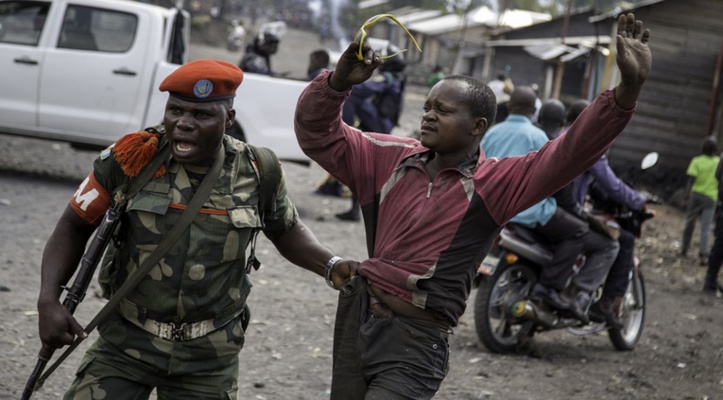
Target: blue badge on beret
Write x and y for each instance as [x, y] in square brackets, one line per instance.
[203, 88]
[105, 153]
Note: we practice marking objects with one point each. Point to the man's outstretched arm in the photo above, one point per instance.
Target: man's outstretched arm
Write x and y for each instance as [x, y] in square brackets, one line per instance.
[563, 159]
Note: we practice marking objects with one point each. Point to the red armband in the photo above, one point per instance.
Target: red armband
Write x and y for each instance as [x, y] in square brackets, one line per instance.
[91, 200]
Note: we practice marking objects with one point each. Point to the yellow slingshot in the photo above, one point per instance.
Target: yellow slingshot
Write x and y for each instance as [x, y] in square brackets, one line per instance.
[362, 34]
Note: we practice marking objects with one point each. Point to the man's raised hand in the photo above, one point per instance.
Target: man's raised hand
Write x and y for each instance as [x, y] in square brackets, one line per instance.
[633, 58]
[350, 70]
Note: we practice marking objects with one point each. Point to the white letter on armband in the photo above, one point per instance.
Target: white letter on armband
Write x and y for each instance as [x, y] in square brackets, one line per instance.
[84, 200]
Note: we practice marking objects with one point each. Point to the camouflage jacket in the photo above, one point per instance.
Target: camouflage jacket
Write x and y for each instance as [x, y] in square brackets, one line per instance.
[203, 275]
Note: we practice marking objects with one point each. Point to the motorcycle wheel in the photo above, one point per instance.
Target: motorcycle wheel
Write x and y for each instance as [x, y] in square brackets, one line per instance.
[633, 315]
[496, 327]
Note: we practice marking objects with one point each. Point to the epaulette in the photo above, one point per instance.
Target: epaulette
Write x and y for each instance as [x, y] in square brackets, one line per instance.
[134, 150]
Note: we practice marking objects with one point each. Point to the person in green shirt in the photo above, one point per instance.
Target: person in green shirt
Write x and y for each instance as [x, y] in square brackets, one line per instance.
[700, 197]
[437, 75]
[711, 284]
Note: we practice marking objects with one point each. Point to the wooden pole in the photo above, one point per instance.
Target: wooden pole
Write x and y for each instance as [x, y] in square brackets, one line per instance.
[560, 68]
[714, 95]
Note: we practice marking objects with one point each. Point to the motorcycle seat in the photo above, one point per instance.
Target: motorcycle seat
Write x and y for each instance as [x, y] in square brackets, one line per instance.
[527, 243]
[528, 234]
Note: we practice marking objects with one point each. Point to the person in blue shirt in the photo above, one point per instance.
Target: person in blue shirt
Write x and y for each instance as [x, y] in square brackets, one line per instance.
[516, 136]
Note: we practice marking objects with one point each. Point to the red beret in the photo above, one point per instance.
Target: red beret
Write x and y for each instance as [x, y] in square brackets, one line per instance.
[203, 80]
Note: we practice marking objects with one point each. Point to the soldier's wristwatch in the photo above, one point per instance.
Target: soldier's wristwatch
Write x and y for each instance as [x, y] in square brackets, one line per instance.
[327, 271]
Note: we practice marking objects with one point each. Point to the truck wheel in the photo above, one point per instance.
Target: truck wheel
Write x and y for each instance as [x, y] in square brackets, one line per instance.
[236, 132]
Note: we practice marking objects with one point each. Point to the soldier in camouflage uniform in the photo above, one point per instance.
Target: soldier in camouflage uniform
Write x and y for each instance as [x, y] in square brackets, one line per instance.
[200, 284]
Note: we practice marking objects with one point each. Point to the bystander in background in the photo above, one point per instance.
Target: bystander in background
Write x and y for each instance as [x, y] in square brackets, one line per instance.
[502, 87]
[552, 118]
[318, 63]
[701, 195]
[711, 285]
[437, 75]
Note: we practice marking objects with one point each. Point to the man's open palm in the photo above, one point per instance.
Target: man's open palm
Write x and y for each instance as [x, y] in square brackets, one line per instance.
[634, 58]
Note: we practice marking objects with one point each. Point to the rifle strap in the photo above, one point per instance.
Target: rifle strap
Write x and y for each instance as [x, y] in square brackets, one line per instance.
[200, 197]
[268, 173]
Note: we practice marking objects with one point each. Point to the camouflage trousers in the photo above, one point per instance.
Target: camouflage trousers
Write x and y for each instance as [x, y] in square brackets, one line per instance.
[106, 372]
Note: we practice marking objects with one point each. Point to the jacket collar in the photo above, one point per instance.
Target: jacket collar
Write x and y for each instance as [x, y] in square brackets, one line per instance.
[422, 155]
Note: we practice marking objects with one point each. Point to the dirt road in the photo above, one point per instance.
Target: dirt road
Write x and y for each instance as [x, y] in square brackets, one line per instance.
[288, 350]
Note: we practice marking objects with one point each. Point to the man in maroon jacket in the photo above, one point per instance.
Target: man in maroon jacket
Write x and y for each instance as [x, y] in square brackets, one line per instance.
[432, 209]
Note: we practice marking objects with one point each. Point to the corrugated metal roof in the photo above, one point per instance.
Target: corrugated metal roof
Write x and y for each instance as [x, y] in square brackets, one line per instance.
[618, 10]
[435, 26]
[371, 3]
[477, 17]
[571, 40]
[418, 16]
[565, 52]
[548, 52]
[520, 18]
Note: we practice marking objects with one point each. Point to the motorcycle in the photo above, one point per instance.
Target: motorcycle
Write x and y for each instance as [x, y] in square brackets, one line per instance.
[506, 319]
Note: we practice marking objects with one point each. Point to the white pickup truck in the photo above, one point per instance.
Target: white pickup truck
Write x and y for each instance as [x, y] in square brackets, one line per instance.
[87, 71]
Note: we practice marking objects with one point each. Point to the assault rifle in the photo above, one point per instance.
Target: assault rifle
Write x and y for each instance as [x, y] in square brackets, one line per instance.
[76, 292]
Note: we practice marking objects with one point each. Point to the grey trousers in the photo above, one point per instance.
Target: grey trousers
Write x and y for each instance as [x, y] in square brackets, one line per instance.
[601, 252]
[567, 234]
[703, 207]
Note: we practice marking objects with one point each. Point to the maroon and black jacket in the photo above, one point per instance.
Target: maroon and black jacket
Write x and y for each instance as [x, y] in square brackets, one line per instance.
[427, 238]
